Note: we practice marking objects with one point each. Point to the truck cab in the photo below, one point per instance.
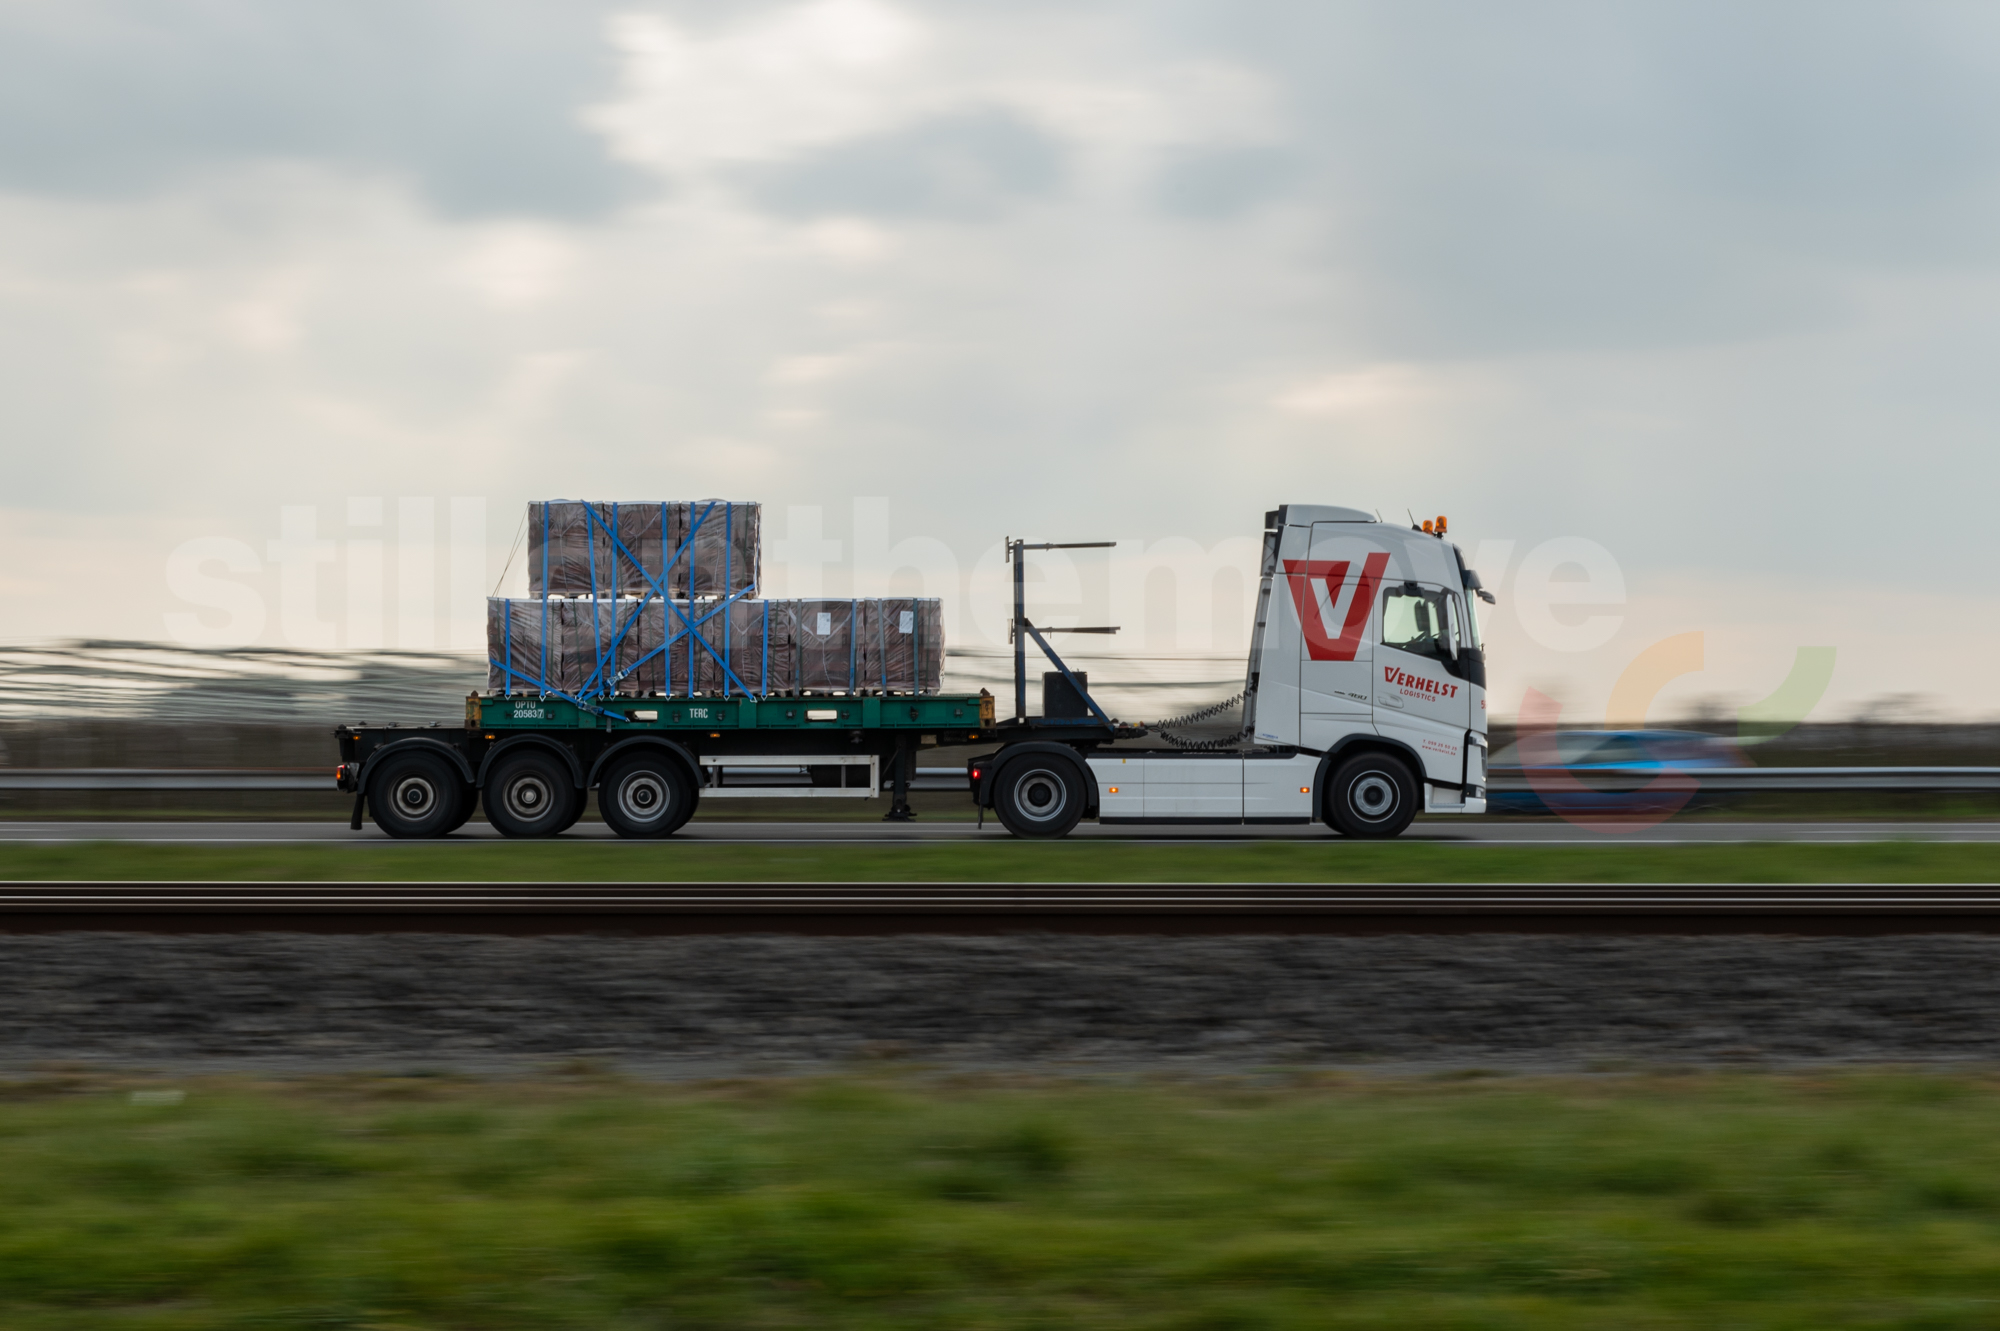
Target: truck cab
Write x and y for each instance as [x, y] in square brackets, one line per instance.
[1366, 634]
[1364, 701]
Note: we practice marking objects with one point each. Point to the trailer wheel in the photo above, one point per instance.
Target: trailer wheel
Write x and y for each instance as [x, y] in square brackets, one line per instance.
[647, 795]
[1038, 796]
[579, 801]
[468, 800]
[413, 795]
[1372, 796]
[530, 794]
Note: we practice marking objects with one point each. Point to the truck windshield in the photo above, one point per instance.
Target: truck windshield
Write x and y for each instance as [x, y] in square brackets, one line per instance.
[1472, 638]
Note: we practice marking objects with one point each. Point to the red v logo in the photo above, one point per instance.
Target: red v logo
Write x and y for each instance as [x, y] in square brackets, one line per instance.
[1306, 576]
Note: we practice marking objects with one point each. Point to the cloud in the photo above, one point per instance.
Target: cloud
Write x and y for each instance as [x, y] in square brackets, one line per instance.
[1643, 274]
[473, 104]
[1353, 390]
[1223, 183]
[863, 107]
[968, 166]
[804, 76]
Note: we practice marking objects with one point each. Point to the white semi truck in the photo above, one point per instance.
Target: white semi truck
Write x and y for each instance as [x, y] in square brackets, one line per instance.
[1364, 705]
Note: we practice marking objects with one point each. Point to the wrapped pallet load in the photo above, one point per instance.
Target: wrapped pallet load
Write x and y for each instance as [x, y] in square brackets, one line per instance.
[901, 645]
[743, 626]
[572, 550]
[553, 645]
[721, 545]
[819, 654]
[707, 547]
[514, 658]
[642, 653]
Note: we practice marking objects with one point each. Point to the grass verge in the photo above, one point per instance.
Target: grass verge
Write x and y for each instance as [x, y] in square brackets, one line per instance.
[1749, 1201]
[1005, 860]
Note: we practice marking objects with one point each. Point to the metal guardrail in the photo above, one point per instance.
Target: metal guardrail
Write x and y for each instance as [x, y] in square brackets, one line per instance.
[1937, 780]
[1733, 779]
[286, 778]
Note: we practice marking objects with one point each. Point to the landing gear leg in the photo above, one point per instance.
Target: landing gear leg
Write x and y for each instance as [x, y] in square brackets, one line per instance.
[899, 784]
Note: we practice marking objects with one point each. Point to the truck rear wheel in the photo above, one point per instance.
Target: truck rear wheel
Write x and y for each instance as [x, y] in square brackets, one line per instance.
[646, 795]
[414, 795]
[530, 794]
[1039, 795]
[1372, 796]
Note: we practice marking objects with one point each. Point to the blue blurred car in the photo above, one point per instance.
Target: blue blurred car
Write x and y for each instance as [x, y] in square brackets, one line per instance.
[1607, 772]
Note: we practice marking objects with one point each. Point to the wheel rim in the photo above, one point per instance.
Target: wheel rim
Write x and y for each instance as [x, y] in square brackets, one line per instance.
[643, 797]
[1041, 796]
[1373, 797]
[414, 797]
[531, 797]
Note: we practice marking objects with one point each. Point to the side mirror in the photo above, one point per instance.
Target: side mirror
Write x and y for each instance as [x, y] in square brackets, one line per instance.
[1487, 596]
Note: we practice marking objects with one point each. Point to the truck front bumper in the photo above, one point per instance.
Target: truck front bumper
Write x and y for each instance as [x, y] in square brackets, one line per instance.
[1445, 799]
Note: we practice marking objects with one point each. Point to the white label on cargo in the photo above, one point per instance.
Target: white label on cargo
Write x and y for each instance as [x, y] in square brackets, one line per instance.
[908, 622]
[825, 623]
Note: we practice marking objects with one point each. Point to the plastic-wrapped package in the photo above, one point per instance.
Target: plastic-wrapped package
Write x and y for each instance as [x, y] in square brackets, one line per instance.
[580, 634]
[514, 660]
[743, 626]
[642, 666]
[602, 646]
[819, 653]
[571, 551]
[901, 645]
[713, 546]
[723, 543]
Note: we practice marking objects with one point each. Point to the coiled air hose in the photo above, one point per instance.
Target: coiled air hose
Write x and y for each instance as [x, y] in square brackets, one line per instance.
[1192, 745]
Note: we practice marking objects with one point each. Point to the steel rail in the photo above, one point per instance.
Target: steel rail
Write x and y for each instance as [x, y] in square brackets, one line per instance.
[882, 908]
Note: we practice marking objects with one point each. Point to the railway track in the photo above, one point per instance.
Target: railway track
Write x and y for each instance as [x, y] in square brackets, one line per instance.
[1085, 908]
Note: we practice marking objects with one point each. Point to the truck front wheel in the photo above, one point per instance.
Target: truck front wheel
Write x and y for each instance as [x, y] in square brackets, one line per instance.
[530, 794]
[414, 795]
[646, 795]
[1372, 796]
[1038, 796]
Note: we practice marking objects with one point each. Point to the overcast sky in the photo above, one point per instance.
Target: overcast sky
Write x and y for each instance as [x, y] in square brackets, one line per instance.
[1709, 288]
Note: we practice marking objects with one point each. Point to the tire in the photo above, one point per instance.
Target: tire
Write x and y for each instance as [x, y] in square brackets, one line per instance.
[579, 802]
[530, 794]
[1039, 795]
[414, 795]
[468, 800]
[1372, 796]
[645, 796]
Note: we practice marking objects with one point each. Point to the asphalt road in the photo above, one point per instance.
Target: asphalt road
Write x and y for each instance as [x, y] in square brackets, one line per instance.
[1470, 832]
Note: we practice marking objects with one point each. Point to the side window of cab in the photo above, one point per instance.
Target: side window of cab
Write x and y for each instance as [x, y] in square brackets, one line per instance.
[1426, 621]
[1414, 620]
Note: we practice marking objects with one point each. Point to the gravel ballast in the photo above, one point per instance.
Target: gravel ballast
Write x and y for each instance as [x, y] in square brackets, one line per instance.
[703, 1005]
